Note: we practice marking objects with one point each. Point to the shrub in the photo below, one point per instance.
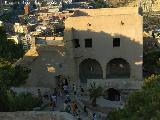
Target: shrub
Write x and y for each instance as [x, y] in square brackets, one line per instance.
[23, 102]
[94, 93]
[142, 104]
[3, 98]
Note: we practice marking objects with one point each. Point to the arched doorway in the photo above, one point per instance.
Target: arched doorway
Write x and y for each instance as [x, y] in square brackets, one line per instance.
[118, 68]
[113, 94]
[90, 69]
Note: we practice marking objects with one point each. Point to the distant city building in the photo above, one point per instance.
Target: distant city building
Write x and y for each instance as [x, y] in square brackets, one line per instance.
[1, 23]
[26, 9]
[18, 28]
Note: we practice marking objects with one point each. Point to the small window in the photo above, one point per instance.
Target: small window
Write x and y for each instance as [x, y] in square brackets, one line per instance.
[76, 43]
[88, 43]
[116, 42]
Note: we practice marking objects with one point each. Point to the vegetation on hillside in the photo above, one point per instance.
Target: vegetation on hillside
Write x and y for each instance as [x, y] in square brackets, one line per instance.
[13, 76]
[8, 49]
[99, 4]
[142, 104]
[151, 62]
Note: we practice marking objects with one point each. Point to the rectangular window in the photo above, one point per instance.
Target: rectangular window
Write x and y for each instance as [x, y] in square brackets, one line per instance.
[116, 42]
[76, 43]
[88, 43]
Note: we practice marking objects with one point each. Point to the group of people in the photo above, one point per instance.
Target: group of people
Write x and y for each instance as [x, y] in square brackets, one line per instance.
[62, 85]
[51, 97]
[72, 108]
[70, 104]
[64, 91]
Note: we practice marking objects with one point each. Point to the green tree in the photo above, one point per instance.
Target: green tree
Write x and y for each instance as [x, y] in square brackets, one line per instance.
[23, 102]
[8, 49]
[94, 93]
[20, 75]
[3, 98]
[12, 76]
[98, 4]
[152, 62]
[142, 104]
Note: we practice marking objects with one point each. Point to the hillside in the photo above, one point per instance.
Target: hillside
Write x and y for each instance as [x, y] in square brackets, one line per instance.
[148, 5]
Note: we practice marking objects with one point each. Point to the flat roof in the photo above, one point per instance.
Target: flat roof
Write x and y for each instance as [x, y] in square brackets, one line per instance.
[105, 11]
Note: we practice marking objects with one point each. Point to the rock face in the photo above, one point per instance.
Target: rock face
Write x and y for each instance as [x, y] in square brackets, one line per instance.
[35, 116]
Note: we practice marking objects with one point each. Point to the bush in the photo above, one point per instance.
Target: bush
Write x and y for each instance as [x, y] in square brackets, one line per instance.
[23, 102]
[14, 76]
[94, 93]
[3, 98]
[99, 4]
[20, 75]
[142, 104]
[8, 49]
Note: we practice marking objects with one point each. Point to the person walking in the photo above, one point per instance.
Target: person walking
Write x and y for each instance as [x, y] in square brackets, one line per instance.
[82, 91]
[65, 105]
[40, 94]
[65, 88]
[74, 108]
[74, 89]
[68, 108]
[94, 116]
[68, 98]
[53, 97]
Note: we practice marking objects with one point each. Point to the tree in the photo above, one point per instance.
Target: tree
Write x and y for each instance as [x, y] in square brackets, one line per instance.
[3, 98]
[142, 104]
[11, 76]
[152, 62]
[8, 49]
[94, 93]
[99, 4]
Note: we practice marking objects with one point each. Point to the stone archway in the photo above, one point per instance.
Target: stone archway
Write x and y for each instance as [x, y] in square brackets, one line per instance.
[118, 68]
[112, 94]
[90, 69]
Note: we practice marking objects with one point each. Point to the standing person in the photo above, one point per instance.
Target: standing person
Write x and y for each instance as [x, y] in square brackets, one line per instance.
[39, 94]
[68, 108]
[68, 78]
[82, 91]
[94, 116]
[68, 98]
[53, 97]
[55, 91]
[66, 82]
[65, 88]
[61, 87]
[78, 117]
[74, 89]
[46, 95]
[65, 105]
[74, 108]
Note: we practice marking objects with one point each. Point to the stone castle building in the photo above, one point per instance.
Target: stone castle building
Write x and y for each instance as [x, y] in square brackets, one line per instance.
[105, 46]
